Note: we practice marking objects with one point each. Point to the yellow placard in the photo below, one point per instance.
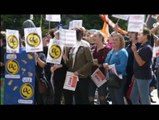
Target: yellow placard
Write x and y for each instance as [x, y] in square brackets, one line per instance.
[33, 40]
[55, 51]
[26, 91]
[12, 41]
[12, 66]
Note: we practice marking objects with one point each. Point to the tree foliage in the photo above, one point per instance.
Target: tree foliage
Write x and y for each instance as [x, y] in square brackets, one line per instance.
[15, 22]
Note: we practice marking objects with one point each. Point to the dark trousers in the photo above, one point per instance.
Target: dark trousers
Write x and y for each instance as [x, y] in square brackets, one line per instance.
[58, 85]
[117, 94]
[80, 94]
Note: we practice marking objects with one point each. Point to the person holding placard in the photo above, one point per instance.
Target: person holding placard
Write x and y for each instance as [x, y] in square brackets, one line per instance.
[59, 74]
[100, 52]
[40, 98]
[142, 69]
[80, 62]
[118, 56]
[3, 51]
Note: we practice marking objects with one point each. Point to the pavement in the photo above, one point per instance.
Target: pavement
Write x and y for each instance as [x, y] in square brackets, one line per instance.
[153, 93]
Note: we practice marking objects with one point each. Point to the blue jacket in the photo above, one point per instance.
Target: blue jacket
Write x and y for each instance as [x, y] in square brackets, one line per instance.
[119, 58]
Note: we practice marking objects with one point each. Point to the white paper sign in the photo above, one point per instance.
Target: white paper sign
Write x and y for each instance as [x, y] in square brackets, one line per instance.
[123, 17]
[33, 39]
[113, 69]
[136, 23]
[98, 78]
[70, 81]
[75, 23]
[53, 18]
[12, 40]
[68, 37]
[55, 52]
[156, 52]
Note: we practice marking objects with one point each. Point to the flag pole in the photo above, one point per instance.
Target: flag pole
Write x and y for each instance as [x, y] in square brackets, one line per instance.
[41, 21]
[117, 21]
[49, 25]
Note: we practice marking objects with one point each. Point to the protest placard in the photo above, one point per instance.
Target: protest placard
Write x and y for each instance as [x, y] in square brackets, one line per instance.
[70, 81]
[12, 40]
[123, 17]
[98, 77]
[68, 37]
[33, 39]
[53, 18]
[55, 52]
[136, 23]
[75, 23]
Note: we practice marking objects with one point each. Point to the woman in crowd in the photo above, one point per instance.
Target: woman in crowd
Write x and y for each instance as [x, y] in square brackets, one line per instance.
[142, 68]
[118, 56]
[100, 52]
[59, 74]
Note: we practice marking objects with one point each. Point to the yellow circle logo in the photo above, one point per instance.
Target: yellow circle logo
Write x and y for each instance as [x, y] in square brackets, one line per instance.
[26, 91]
[55, 51]
[33, 39]
[12, 41]
[12, 66]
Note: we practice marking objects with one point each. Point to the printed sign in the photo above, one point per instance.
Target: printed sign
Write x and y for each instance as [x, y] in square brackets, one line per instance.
[98, 78]
[12, 39]
[33, 39]
[19, 78]
[70, 81]
[55, 52]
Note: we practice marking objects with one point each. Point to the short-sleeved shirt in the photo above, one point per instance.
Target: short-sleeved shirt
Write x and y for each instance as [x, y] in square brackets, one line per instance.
[145, 71]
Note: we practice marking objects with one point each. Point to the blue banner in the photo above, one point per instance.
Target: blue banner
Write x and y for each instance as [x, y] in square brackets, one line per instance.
[19, 78]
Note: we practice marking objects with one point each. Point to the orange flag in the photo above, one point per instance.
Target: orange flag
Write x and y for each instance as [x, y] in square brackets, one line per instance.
[109, 22]
[105, 30]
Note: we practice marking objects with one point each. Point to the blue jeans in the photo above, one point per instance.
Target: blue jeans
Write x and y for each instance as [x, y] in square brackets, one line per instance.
[140, 91]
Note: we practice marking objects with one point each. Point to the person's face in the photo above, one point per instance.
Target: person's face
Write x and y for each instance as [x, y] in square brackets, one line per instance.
[116, 42]
[141, 37]
[48, 36]
[132, 37]
[96, 38]
[57, 36]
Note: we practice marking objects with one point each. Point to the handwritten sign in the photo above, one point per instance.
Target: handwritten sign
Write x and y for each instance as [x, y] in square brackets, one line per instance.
[75, 23]
[136, 23]
[68, 37]
[53, 18]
